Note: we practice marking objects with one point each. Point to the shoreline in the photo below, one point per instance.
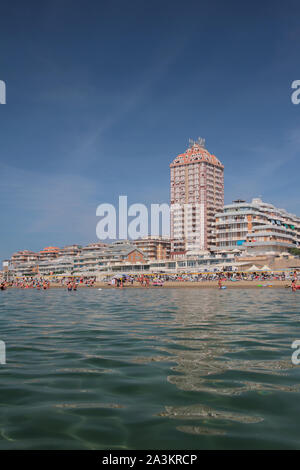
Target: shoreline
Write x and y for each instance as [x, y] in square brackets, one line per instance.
[206, 285]
[256, 284]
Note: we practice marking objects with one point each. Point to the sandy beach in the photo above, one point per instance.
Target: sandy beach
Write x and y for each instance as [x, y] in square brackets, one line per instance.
[195, 285]
[255, 284]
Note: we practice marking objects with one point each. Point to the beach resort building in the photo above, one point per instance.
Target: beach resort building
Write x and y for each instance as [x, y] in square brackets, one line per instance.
[257, 227]
[62, 265]
[89, 257]
[70, 250]
[207, 262]
[128, 261]
[23, 256]
[93, 258]
[154, 247]
[197, 193]
[103, 258]
[50, 252]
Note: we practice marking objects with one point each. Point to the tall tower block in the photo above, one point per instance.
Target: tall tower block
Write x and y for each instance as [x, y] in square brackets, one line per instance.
[197, 193]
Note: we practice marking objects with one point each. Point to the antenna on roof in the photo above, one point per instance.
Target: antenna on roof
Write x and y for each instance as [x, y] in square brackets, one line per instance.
[201, 141]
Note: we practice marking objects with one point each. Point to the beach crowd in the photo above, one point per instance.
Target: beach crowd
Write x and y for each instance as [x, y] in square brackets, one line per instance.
[71, 283]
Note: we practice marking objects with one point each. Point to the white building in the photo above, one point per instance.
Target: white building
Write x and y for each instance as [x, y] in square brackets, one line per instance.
[257, 227]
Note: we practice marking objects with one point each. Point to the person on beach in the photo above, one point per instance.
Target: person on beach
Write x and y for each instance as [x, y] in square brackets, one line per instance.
[220, 283]
[293, 286]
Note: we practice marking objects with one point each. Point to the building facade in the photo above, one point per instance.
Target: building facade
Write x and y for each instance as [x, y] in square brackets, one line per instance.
[197, 193]
[50, 252]
[97, 258]
[154, 247]
[24, 256]
[70, 250]
[256, 227]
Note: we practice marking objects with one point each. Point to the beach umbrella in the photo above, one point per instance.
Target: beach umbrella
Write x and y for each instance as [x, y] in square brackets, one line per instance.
[253, 268]
[265, 268]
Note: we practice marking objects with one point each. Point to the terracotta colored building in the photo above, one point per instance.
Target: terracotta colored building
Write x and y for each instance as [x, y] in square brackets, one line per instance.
[197, 193]
[154, 247]
[50, 252]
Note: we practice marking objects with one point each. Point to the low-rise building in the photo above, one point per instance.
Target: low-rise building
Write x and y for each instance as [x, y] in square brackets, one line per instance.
[24, 256]
[206, 262]
[101, 258]
[154, 247]
[62, 265]
[28, 268]
[257, 227]
[50, 252]
[70, 250]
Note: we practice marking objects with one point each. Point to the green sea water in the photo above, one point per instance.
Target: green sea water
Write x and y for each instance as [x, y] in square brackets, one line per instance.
[149, 369]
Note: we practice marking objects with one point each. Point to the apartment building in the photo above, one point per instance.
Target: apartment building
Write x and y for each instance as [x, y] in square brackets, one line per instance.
[101, 258]
[154, 247]
[23, 256]
[50, 252]
[197, 193]
[70, 250]
[257, 227]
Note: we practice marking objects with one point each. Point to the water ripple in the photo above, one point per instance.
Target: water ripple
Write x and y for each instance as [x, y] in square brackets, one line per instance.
[130, 369]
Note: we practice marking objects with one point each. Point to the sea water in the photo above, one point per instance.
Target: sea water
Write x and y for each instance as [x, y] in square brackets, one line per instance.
[170, 368]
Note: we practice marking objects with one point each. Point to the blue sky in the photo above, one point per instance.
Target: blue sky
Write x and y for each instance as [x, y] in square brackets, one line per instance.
[102, 95]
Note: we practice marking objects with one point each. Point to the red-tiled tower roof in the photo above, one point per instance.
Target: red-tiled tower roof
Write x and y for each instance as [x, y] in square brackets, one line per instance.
[196, 153]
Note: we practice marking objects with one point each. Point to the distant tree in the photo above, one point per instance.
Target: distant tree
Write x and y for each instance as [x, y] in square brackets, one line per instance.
[294, 251]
